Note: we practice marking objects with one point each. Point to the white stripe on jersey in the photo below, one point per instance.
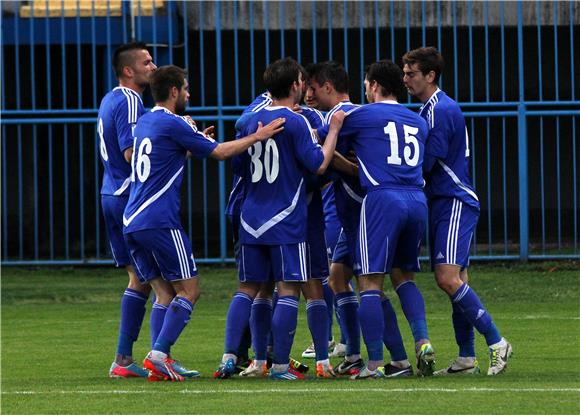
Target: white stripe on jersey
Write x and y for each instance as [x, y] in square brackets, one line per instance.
[267, 102]
[456, 180]
[256, 233]
[127, 221]
[123, 187]
[336, 108]
[132, 106]
[351, 192]
[367, 174]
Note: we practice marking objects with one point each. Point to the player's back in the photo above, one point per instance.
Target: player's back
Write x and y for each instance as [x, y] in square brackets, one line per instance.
[448, 142]
[118, 114]
[389, 142]
[274, 208]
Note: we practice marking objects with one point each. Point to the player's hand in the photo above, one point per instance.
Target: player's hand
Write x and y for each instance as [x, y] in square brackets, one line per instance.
[263, 133]
[190, 120]
[210, 131]
[337, 119]
[297, 108]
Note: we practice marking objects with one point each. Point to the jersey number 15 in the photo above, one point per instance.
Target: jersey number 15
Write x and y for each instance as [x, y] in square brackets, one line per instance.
[411, 156]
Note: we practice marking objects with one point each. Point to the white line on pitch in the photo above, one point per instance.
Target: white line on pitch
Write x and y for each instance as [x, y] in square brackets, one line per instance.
[280, 390]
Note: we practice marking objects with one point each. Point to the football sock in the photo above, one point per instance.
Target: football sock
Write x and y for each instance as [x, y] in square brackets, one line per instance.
[177, 317]
[372, 323]
[245, 344]
[317, 316]
[274, 301]
[132, 313]
[340, 326]
[284, 323]
[237, 321]
[329, 300]
[392, 335]
[347, 305]
[476, 314]
[156, 321]
[261, 326]
[464, 335]
[414, 308]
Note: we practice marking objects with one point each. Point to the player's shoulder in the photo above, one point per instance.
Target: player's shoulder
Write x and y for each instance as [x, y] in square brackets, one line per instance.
[443, 103]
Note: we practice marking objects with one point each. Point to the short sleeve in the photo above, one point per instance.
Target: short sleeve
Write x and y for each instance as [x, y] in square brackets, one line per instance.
[126, 115]
[306, 146]
[437, 144]
[187, 135]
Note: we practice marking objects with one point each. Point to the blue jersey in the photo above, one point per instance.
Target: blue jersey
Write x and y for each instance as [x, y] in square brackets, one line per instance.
[448, 144]
[162, 140]
[274, 207]
[118, 115]
[389, 142]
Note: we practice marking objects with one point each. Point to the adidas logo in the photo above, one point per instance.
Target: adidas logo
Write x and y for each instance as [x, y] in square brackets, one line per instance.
[480, 313]
[439, 256]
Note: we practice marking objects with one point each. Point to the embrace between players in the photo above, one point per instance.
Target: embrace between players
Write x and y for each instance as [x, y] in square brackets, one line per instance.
[294, 172]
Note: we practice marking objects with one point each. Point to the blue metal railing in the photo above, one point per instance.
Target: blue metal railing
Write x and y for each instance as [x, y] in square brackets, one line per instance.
[523, 134]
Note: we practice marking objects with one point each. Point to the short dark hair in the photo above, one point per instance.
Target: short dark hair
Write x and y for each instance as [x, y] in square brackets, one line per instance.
[280, 75]
[388, 75]
[164, 78]
[427, 59]
[123, 56]
[330, 71]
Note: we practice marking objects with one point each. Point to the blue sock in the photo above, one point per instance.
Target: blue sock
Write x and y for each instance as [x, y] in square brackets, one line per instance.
[414, 308]
[329, 300]
[156, 321]
[340, 325]
[132, 313]
[261, 325]
[464, 335]
[372, 323]
[177, 317]
[237, 321]
[317, 316]
[347, 305]
[274, 302]
[392, 335]
[284, 323]
[469, 303]
[245, 344]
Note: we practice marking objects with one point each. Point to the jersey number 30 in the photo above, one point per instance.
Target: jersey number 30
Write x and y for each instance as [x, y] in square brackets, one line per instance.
[411, 156]
[268, 164]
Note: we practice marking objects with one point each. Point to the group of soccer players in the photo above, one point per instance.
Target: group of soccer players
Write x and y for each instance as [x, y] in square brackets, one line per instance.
[360, 183]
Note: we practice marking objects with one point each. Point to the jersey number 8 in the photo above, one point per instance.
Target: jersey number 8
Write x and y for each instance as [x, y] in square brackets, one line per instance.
[270, 166]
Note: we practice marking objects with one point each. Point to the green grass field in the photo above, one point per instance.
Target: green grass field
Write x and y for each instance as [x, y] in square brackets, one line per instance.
[59, 330]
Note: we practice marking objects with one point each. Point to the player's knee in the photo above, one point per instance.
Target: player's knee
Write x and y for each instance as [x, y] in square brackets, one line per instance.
[448, 283]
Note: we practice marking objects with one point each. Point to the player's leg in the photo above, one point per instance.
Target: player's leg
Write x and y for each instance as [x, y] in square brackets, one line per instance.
[399, 365]
[455, 223]
[289, 264]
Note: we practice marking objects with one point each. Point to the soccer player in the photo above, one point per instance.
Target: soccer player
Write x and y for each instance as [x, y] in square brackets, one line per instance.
[118, 114]
[453, 211]
[388, 140]
[274, 210]
[156, 240]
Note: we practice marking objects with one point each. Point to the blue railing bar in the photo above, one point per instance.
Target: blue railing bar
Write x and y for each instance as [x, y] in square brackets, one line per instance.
[473, 177]
[361, 12]
[204, 192]
[486, 36]
[281, 13]
[63, 56]
[488, 172]
[48, 63]
[522, 145]
[66, 196]
[504, 185]
[4, 196]
[154, 21]
[392, 12]
[298, 31]
[32, 90]
[221, 166]
[542, 187]
[236, 57]
[313, 16]
[470, 25]
[35, 187]
[539, 32]
[572, 77]
[455, 71]
[138, 21]
[20, 196]
[534, 113]
[2, 75]
[79, 66]
[558, 183]
[345, 33]
[575, 184]
[490, 114]
[377, 22]
[50, 194]
[97, 161]
[439, 36]
[82, 191]
[423, 25]
[266, 30]
[201, 53]
[17, 57]
[556, 76]
[329, 21]
[97, 262]
[93, 54]
[252, 51]
[124, 7]
[502, 27]
[170, 13]
[407, 27]
[185, 35]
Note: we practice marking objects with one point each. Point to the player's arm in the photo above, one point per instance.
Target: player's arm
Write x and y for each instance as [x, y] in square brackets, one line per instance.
[230, 148]
[330, 141]
[343, 165]
[125, 124]
[437, 143]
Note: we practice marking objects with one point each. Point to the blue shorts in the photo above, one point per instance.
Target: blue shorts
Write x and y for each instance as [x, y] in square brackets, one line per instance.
[161, 253]
[342, 254]
[262, 263]
[451, 227]
[113, 208]
[332, 230]
[392, 225]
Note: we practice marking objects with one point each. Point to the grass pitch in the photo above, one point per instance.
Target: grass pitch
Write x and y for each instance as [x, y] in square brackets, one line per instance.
[59, 331]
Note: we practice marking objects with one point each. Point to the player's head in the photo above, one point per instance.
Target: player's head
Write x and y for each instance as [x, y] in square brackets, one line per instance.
[284, 78]
[422, 69]
[169, 85]
[309, 97]
[383, 79]
[327, 80]
[132, 62]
